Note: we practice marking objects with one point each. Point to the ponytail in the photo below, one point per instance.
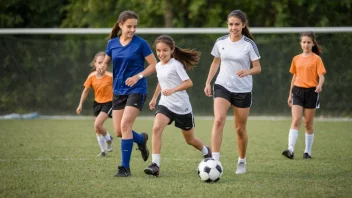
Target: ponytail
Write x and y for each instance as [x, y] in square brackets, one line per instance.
[188, 58]
[115, 32]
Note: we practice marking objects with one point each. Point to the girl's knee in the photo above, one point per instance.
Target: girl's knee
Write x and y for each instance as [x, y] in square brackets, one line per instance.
[219, 122]
[241, 131]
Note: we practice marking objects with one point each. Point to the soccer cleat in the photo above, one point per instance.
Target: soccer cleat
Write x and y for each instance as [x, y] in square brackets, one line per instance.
[288, 154]
[123, 172]
[153, 169]
[306, 156]
[109, 145]
[241, 168]
[102, 154]
[143, 147]
[207, 155]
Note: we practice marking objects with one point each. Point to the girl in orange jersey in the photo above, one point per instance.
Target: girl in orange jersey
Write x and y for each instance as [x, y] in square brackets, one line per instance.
[308, 78]
[102, 85]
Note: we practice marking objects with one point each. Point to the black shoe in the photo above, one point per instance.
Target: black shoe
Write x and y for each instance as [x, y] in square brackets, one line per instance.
[102, 154]
[153, 169]
[207, 155]
[143, 147]
[288, 154]
[123, 172]
[306, 156]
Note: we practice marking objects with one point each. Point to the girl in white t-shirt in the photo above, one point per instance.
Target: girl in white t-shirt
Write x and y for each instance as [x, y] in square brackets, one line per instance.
[234, 53]
[174, 102]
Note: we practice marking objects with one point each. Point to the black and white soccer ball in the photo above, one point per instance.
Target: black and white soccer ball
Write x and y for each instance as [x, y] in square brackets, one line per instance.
[210, 170]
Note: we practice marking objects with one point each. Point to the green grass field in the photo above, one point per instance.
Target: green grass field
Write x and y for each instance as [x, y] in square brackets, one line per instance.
[57, 158]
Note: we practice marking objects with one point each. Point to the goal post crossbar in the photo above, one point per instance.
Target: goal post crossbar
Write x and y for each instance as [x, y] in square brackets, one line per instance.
[254, 30]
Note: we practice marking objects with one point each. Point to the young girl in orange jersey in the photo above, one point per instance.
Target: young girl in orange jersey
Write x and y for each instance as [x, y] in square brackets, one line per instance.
[102, 85]
[308, 78]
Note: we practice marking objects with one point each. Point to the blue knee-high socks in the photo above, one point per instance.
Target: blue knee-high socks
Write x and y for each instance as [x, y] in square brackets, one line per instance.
[126, 148]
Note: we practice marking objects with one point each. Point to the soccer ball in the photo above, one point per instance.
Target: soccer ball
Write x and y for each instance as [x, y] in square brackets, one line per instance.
[210, 170]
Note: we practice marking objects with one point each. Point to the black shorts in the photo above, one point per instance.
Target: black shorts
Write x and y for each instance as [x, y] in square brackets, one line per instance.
[240, 100]
[305, 97]
[135, 100]
[104, 107]
[184, 122]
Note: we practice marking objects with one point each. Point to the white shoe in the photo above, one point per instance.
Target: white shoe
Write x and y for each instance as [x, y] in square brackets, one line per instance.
[109, 146]
[241, 168]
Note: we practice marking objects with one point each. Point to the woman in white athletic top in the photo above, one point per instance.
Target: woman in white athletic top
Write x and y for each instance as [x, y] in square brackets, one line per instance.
[233, 53]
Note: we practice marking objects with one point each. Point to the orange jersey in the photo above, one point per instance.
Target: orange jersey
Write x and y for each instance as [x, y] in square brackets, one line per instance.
[102, 86]
[307, 70]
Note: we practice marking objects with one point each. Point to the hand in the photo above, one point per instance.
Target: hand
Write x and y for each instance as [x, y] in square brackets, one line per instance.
[101, 69]
[318, 89]
[289, 101]
[131, 81]
[242, 73]
[152, 104]
[79, 109]
[207, 90]
[168, 92]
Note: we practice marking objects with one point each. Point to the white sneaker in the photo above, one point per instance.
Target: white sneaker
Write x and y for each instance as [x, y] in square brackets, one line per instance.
[109, 146]
[241, 168]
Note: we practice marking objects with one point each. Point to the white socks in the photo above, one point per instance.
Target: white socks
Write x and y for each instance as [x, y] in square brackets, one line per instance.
[241, 160]
[292, 138]
[101, 142]
[309, 143]
[156, 159]
[215, 155]
[204, 150]
[107, 137]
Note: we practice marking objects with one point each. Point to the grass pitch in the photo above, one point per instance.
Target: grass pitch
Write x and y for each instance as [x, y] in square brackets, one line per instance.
[57, 158]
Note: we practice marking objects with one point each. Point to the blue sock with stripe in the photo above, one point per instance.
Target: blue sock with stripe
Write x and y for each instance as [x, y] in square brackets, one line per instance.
[126, 151]
[137, 137]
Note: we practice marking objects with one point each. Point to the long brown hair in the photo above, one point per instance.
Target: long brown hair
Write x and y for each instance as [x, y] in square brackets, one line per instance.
[91, 64]
[188, 57]
[316, 48]
[242, 16]
[116, 30]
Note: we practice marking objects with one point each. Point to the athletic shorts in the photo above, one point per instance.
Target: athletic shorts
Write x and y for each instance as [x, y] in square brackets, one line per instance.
[104, 107]
[184, 122]
[305, 97]
[240, 100]
[135, 100]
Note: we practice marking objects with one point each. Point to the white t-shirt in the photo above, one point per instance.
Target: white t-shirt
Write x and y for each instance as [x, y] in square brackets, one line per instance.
[235, 56]
[170, 76]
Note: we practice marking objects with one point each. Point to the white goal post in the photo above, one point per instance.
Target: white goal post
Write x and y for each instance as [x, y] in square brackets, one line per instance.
[255, 30]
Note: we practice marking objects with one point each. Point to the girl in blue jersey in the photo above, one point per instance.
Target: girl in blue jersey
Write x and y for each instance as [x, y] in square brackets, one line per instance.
[233, 53]
[128, 52]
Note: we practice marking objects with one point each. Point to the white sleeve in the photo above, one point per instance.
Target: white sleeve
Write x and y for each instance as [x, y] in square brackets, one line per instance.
[180, 70]
[215, 51]
[253, 52]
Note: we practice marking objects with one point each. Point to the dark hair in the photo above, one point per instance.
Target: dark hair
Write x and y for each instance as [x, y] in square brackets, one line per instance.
[316, 48]
[116, 31]
[188, 57]
[91, 64]
[241, 15]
